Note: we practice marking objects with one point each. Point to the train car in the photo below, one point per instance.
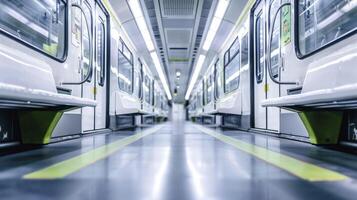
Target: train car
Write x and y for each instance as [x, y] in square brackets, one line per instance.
[54, 59]
[273, 58]
[318, 59]
[75, 68]
[131, 89]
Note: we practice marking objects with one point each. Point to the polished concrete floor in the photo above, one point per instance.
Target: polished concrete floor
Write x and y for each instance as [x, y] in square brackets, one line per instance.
[177, 161]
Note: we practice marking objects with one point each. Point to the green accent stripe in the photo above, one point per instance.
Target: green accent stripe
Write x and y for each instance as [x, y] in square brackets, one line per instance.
[67, 167]
[294, 166]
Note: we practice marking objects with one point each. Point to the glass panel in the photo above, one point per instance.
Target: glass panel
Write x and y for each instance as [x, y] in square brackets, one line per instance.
[232, 75]
[40, 23]
[226, 58]
[259, 62]
[157, 100]
[137, 84]
[152, 90]
[209, 89]
[275, 42]
[324, 21]
[127, 53]
[245, 51]
[100, 57]
[146, 89]
[199, 99]
[125, 74]
[85, 41]
[234, 49]
[217, 81]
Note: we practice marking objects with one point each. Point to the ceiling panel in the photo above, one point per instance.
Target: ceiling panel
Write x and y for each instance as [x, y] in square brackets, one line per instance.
[178, 8]
[178, 37]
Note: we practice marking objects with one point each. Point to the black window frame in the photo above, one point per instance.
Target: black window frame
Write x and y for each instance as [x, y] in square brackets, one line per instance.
[29, 45]
[298, 53]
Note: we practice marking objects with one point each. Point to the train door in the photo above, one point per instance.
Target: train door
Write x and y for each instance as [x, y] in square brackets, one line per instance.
[260, 87]
[273, 68]
[100, 67]
[264, 86]
[88, 87]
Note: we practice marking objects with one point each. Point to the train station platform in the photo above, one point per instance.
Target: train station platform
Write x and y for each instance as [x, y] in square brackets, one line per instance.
[179, 161]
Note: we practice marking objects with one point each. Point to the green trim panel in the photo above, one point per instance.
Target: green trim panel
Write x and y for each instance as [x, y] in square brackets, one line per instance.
[323, 127]
[37, 126]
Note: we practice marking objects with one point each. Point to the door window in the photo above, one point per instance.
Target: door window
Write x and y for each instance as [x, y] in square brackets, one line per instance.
[259, 42]
[100, 57]
[275, 41]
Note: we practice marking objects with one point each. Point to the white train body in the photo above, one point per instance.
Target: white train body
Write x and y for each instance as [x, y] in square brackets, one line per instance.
[65, 54]
[312, 56]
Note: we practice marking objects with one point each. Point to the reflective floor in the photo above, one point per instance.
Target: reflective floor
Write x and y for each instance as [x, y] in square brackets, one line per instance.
[173, 161]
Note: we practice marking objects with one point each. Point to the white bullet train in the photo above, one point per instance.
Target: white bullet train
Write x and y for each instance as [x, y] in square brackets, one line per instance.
[287, 69]
[68, 68]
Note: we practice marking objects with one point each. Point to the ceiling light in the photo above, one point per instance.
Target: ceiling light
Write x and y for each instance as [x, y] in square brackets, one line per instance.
[135, 8]
[161, 73]
[194, 77]
[140, 21]
[217, 19]
[178, 73]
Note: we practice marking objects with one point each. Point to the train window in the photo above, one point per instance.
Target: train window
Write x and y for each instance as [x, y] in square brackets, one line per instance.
[234, 49]
[217, 80]
[199, 99]
[37, 23]
[125, 75]
[226, 58]
[157, 100]
[232, 70]
[146, 89]
[244, 51]
[100, 57]
[259, 41]
[125, 51]
[152, 91]
[321, 23]
[137, 84]
[209, 89]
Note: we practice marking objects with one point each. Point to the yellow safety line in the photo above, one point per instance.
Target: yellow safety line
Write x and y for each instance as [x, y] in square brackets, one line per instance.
[67, 167]
[292, 165]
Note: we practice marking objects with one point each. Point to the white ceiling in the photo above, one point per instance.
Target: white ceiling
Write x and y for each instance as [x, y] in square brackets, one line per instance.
[178, 26]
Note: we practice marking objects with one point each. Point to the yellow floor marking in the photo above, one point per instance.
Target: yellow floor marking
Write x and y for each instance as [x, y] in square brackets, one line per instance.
[292, 165]
[67, 167]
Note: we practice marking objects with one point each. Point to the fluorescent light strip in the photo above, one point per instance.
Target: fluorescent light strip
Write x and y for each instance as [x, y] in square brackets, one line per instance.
[217, 19]
[140, 21]
[161, 73]
[196, 72]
